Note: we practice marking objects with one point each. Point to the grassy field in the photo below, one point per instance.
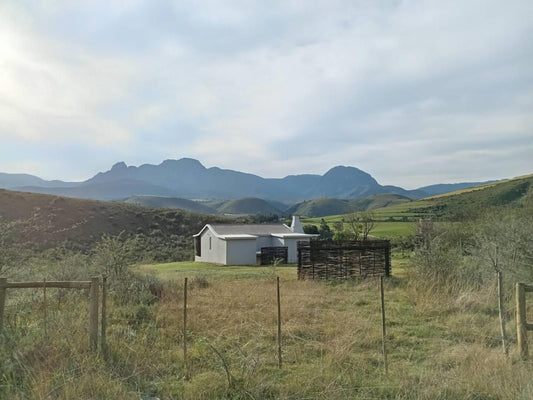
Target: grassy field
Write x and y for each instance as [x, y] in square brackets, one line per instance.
[179, 270]
[382, 230]
[441, 344]
[445, 349]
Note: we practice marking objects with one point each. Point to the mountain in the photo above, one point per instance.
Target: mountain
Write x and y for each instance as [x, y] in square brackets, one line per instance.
[103, 190]
[9, 181]
[187, 178]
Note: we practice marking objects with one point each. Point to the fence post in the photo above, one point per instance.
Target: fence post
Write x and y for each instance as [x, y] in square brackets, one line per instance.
[185, 362]
[279, 322]
[3, 282]
[501, 312]
[383, 330]
[521, 324]
[44, 307]
[103, 338]
[93, 314]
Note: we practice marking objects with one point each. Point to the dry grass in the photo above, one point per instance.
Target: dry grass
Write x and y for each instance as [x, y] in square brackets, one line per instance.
[442, 345]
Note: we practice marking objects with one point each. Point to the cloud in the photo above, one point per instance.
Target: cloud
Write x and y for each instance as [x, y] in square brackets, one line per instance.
[411, 91]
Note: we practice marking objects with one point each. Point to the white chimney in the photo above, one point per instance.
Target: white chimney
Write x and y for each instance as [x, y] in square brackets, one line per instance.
[296, 225]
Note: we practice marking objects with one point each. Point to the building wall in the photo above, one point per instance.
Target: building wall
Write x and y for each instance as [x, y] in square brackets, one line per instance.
[276, 241]
[263, 241]
[214, 253]
[292, 253]
[240, 252]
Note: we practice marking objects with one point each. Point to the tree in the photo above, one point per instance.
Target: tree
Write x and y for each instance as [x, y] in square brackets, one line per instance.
[360, 225]
[324, 230]
[367, 224]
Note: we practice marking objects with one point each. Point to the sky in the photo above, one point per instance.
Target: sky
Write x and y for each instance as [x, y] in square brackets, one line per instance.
[412, 92]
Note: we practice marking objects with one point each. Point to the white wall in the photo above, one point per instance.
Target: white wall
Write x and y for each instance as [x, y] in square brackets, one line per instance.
[263, 241]
[240, 252]
[216, 254]
[292, 252]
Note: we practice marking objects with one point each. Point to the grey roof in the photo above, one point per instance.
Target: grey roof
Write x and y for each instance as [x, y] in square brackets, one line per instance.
[250, 229]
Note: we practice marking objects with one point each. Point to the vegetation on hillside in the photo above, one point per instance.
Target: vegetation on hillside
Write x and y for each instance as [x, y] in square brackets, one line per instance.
[41, 222]
[325, 206]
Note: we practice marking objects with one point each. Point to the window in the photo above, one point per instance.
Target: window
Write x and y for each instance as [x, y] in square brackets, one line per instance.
[209, 242]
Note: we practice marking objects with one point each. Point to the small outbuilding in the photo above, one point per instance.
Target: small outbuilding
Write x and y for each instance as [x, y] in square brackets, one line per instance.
[247, 244]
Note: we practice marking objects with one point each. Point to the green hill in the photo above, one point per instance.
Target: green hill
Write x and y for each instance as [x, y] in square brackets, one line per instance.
[397, 219]
[328, 206]
[464, 203]
[171, 202]
[472, 202]
[246, 206]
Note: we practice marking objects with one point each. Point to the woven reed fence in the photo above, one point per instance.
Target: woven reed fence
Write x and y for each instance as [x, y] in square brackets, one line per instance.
[320, 259]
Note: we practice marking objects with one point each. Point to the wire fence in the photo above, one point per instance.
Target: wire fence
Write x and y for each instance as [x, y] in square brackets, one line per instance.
[317, 319]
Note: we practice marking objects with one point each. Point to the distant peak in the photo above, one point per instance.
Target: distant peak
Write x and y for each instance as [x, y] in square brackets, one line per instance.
[119, 166]
[344, 170]
[183, 161]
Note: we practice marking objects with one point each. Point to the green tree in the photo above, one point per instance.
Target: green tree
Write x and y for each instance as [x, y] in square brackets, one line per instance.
[324, 230]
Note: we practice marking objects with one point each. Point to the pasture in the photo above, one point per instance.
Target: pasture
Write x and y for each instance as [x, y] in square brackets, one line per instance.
[442, 343]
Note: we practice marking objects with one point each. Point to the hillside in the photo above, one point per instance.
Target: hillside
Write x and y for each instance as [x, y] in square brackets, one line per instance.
[243, 206]
[441, 188]
[248, 205]
[461, 204]
[44, 221]
[171, 202]
[328, 206]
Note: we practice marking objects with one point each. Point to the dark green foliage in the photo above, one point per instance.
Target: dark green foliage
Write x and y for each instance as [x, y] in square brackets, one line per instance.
[311, 229]
[262, 218]
[325, 231]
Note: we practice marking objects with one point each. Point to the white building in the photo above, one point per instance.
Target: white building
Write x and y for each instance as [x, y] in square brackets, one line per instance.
[241, 244]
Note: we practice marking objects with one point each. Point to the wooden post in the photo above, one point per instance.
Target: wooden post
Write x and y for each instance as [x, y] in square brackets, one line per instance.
[383, 330]
[279, 322]
[521, 324]
[501, 311]
[44, 306]
[185, 363]
[93, 314]
[103, 338]
[3, 283]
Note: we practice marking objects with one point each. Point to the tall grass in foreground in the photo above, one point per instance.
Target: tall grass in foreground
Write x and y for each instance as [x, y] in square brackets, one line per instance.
[441, 345]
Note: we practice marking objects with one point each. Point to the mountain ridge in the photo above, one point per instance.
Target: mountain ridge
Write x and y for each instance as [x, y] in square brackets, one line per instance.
[188, 178]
